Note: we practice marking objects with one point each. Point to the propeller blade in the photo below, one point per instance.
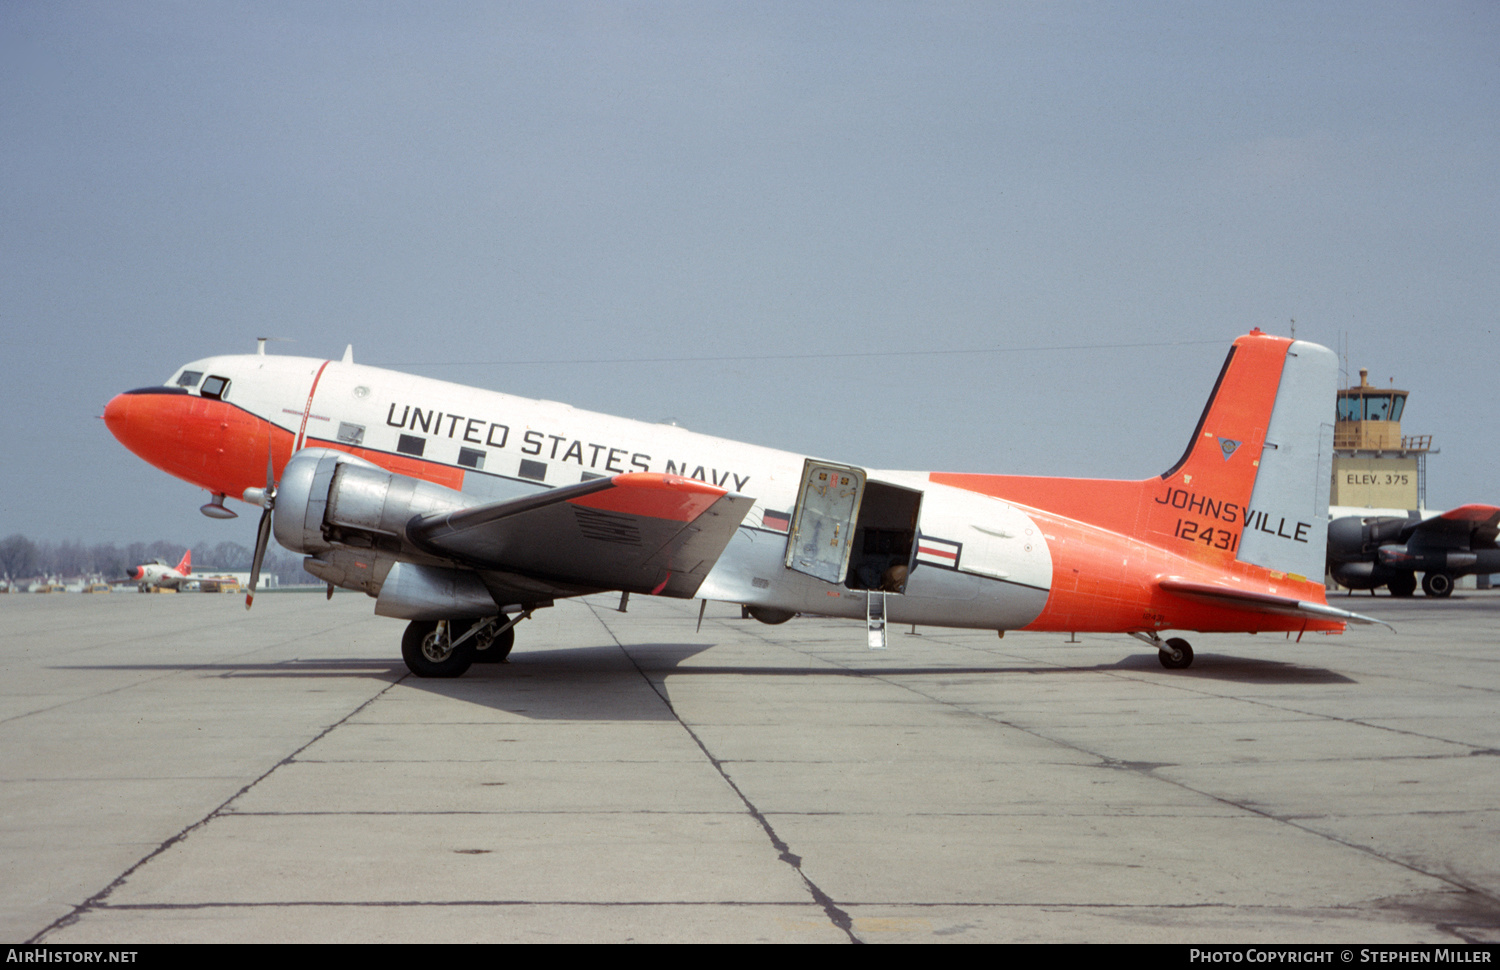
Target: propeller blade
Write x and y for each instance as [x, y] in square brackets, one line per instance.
[267, 500]
[262, 536]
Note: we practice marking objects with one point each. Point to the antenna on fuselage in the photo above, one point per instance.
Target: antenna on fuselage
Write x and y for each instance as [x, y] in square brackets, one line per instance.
[260, 345]
[349, 354]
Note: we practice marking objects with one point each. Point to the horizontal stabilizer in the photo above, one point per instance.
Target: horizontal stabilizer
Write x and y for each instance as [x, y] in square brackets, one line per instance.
[642, 532]
[1262, 602]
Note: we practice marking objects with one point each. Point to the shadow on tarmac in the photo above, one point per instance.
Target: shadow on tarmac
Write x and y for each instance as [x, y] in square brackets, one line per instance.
[592, 668]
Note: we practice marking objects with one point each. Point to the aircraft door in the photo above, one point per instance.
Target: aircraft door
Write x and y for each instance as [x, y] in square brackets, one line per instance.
[822, 533]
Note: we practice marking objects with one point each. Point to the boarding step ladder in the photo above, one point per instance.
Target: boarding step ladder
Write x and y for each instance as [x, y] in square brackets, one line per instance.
[875, 617]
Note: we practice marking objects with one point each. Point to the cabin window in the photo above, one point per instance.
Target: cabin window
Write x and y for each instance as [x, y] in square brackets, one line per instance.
[215, 387]
[471, 458]
[351, 434]
[534, 470]
[190, 378]
[411, 444]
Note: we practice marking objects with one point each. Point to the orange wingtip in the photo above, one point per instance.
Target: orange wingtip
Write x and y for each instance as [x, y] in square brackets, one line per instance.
[655, 495]
[1470, 513]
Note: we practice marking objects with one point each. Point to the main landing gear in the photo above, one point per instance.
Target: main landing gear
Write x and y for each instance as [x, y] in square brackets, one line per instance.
[447, 648]
[1174, 654]
[1437, 584]
[1402, 584]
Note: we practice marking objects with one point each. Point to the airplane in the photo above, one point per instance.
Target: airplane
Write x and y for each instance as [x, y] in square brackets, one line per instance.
[463, 511]
[1370, 548]
[159, 574]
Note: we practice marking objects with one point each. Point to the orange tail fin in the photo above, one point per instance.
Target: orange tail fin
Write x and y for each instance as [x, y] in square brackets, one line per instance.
[1252, 484]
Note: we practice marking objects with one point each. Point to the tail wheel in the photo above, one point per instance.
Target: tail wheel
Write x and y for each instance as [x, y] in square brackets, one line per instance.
[1403, 585]
[427, 649]
[1178, 656]
[1437, 584]
[768, 614]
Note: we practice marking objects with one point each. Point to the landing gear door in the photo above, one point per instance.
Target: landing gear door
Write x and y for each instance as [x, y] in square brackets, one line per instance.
[822, 534]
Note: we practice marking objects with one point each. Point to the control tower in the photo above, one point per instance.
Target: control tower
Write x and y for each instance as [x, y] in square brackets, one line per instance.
[1374, 464]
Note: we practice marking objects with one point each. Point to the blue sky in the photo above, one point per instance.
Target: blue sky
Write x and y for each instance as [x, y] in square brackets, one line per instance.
[1048, 219]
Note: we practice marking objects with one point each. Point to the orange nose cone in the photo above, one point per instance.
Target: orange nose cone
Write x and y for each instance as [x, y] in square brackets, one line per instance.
[125, 423]
[149, 422]
[207, 442]
[115, 415]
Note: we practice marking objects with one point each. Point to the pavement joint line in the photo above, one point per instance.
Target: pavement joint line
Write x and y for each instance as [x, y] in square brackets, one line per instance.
[1486, 900]
[697, 903]
[98, 900]
[493, 903]
[836, 915]
[1308, 769]
[1192, 686]
[164, 671]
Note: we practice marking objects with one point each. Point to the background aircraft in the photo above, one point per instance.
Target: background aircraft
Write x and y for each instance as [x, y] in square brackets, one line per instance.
[463, 510]
[159, 574]
[1370, 548]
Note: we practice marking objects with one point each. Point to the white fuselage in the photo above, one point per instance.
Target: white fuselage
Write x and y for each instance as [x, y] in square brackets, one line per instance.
[494, 446]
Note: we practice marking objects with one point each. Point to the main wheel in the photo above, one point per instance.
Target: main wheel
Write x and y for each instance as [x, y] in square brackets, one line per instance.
[491, 649]
[428, 655]
[1437, 584]
[1179, 657]
[1404, 584]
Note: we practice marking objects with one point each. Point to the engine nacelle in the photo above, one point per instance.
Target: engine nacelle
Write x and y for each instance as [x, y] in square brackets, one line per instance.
[1426, 559]
[413, 592]
[1363, 575]
[1355, 538]
[328, 499]
[351, 568]
[350, 516]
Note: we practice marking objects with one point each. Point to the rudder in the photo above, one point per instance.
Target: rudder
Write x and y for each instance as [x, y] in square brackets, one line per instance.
[1287, 528]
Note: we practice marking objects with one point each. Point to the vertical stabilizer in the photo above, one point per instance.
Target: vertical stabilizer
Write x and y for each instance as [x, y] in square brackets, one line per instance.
[1253, 483]
[1286, 529]
[1252, 486]
[1198, 507]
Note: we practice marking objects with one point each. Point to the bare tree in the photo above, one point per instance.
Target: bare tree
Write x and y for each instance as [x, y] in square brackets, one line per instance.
[18, 556]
